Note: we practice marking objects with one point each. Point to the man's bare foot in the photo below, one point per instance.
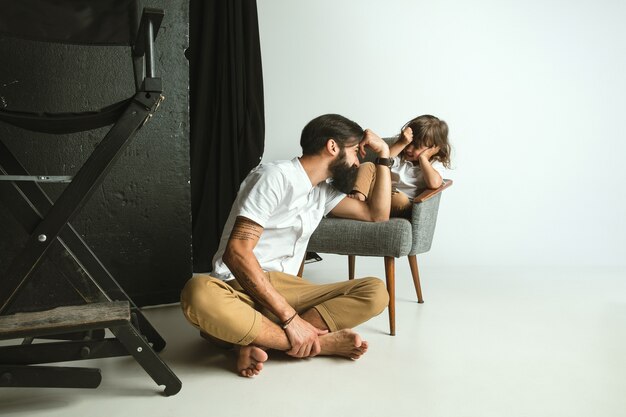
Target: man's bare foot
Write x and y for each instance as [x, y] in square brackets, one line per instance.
[250, 361]
[357, 195]
[344, 343]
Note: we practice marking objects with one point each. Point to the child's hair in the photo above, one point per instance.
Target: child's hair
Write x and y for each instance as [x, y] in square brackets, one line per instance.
[430, 131]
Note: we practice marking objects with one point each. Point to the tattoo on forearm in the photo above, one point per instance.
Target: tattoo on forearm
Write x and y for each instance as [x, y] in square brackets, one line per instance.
[253, 287]
[245, 229]
[243, 264]
[247, 283]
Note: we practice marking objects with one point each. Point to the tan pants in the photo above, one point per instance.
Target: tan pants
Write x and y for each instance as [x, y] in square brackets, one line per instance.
[224, 311]
[401, 206]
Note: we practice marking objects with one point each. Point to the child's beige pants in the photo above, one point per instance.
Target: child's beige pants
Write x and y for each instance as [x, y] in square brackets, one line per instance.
[401, 206]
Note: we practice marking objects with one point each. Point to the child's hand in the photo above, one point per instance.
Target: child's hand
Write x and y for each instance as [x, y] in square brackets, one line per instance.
[407, 136]
[429, 153]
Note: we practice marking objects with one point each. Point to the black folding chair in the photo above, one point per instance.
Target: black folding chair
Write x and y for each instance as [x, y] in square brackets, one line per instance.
[79, 330]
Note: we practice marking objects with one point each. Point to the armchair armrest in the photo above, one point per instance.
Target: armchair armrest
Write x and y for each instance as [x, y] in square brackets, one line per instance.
[426, 194]
[424, 218]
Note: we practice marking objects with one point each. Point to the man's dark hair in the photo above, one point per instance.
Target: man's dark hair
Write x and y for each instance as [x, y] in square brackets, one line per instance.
[328, 126]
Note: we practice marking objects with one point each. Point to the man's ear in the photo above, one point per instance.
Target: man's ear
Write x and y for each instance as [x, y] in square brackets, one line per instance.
[332, 147]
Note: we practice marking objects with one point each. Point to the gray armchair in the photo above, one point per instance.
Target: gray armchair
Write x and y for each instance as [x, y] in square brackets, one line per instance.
[391, 239]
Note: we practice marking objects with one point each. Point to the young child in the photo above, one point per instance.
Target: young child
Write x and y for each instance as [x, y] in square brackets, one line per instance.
[418, 158]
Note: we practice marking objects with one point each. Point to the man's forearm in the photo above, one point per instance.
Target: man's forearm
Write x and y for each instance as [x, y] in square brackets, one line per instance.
[239, 258]
[248, 272]
[379, 201]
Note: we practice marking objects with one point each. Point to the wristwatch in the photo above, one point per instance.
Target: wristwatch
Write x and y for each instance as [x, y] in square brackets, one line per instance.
[384, 161]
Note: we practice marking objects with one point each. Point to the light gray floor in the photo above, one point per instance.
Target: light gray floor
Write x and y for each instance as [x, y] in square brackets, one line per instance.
[487, 342]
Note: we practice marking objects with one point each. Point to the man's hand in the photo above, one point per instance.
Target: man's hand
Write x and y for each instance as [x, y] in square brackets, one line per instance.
[303, 338]
[372, 140]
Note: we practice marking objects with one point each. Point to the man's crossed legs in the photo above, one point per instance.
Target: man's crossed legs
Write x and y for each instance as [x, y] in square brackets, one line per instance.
[224, 311]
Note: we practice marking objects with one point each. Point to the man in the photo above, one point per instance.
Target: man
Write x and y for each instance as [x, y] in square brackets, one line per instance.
[252, 298]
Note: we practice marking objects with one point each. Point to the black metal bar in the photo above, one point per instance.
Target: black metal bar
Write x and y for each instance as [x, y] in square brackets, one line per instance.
[37, 178]
[139, 71]
[137, 346]
[155, 17]
[53, 352]
[150, 68]
[94, 334]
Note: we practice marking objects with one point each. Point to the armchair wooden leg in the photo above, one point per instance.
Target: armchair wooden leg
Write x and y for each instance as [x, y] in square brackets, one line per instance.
[390, 275]
[351, 260]
[416, 277]
[301, 270]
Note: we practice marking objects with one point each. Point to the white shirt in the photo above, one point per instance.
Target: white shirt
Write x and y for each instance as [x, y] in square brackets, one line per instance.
[279, 197]
[408, 177]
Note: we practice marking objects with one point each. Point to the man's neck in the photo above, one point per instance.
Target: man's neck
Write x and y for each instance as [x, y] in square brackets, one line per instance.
[316, 168]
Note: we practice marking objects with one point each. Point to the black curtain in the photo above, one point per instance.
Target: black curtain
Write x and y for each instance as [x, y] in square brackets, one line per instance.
[226, 112]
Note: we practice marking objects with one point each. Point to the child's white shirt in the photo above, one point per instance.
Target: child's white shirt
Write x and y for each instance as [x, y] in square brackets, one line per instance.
[408, 177]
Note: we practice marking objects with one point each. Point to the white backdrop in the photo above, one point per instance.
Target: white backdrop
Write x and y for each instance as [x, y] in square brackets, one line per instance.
[534, 93]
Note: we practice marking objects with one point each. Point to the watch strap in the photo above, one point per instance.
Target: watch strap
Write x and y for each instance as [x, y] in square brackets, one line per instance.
[383, 161]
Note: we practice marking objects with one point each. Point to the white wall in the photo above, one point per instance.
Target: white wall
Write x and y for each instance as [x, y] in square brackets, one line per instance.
[534, 93]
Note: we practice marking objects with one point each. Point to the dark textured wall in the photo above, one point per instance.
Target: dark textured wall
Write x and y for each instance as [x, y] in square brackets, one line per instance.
[138, 222]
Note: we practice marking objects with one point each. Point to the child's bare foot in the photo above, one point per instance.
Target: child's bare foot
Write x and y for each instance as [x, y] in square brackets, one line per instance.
[344, 343]
[250, 361]
[357, 195]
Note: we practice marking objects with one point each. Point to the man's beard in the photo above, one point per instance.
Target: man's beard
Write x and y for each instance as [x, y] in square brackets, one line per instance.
[343, 175]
